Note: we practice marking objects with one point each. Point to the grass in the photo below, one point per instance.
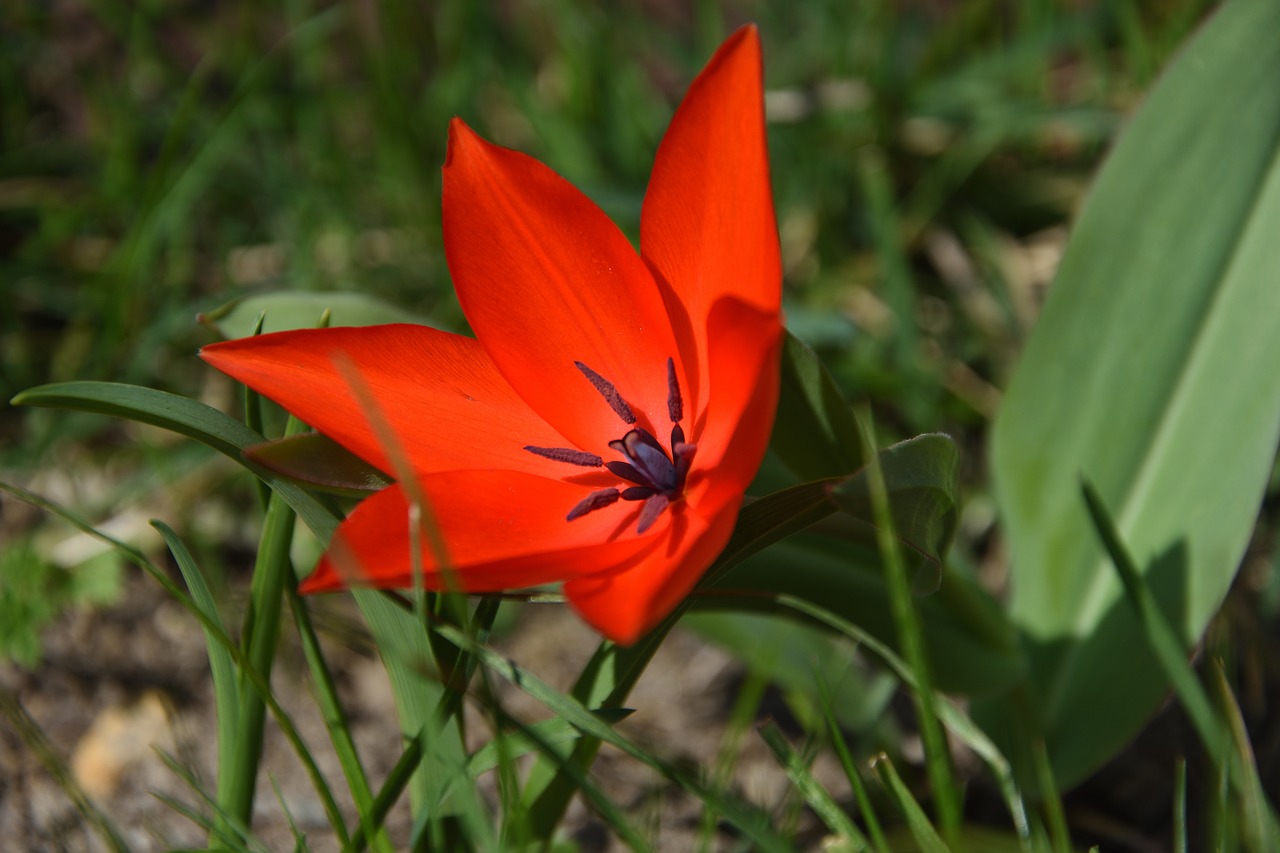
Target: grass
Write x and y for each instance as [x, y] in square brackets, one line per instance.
[160, 160]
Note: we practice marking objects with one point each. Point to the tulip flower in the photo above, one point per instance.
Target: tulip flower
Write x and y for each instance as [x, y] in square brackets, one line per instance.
[602, 426]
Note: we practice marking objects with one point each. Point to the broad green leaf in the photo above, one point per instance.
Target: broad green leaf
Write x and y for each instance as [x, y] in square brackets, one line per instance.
[802, 660]
[295, 309]
[814, 433]
[920, 477]
[1152, 373]
[315, 460]
[971, 645]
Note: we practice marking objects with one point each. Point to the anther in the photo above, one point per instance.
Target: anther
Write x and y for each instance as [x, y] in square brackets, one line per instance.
[652, 508]
[675, 405]
[610, 393]
[565, 454]
[593, 502]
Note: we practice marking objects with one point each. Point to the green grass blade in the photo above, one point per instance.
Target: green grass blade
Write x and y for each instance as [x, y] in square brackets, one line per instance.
[1222, 734]
[1180, 806]
[548, 734]
[272, 570]
[877, 839]
[185, 417]
[1258, 824]
[1168, 648]
[822, 803]
[613, 816]
[218, 823]
[911, 639]
[226, 689]
[335, 719]
[406, 653]
[956, 721]
[917, 821]
[1051, 802]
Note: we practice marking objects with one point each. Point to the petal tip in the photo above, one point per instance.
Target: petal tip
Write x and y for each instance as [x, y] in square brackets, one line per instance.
[461, 138]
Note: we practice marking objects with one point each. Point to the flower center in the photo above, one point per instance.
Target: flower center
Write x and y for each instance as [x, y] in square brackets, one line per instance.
[656, 475]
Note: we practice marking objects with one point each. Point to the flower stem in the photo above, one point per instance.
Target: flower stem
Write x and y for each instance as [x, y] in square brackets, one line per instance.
[271, 572]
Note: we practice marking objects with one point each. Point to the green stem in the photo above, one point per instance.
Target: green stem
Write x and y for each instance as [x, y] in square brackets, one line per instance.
[336, 722]
[271, 572]
[911, 639]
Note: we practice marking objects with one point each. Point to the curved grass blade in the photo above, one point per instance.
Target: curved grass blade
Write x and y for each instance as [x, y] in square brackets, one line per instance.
[814, 794]
[185, 417]
[226, 689]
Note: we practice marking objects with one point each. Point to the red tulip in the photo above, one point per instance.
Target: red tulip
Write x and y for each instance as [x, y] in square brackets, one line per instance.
[601, 428]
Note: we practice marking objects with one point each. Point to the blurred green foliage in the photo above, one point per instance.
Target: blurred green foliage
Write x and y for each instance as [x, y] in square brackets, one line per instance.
[159, 159]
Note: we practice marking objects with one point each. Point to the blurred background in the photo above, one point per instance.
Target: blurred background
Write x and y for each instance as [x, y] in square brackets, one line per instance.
[159, 160]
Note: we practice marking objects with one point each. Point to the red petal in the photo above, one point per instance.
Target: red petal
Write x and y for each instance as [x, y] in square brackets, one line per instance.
[441, 394]
[546, 279]
[708, 227]
[499, 529]
[732, 433]
[625, 604]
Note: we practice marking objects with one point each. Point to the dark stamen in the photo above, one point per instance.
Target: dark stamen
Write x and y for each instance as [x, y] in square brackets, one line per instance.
[653, 508]
[626, 472]
[675, 405]
[564, 454]
[684, 458]
[593, 502]
[648, 458]
[658, 474]
[610, 394]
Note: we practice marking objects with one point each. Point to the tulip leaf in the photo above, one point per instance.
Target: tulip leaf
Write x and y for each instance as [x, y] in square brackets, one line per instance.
[971, 645]
[837, 565]
[1151, 372]
[814, 432]
[920, 478]
[799, 658]
[185, 417]
[295, 309]
[317, 461]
